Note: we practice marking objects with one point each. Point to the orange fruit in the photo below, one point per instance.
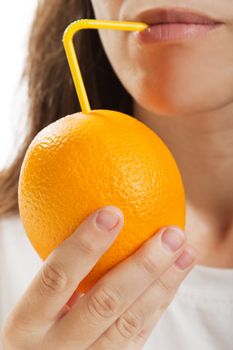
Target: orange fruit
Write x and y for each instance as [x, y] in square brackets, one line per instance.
[83, 162]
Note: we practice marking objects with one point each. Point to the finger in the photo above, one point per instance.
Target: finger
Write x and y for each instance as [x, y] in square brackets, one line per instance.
[114, 292]
[70, 303]
[67, 266]
[186, 263]
[129, 327]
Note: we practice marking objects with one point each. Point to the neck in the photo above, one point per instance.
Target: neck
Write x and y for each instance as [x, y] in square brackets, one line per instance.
[202, 146]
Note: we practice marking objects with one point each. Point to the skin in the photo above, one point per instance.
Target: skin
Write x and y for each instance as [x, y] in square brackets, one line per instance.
[183, 90]
[112, 315]
[197, 125]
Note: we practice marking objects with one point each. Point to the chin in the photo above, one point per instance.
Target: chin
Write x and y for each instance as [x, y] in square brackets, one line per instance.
[178, 97]
[170, 104]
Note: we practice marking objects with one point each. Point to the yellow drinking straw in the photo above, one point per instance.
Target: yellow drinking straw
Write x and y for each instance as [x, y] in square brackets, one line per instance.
[68, 36]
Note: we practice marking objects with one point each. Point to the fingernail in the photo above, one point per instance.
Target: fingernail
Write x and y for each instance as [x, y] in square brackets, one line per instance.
[173, 238]
[186, 258]
[107, 218]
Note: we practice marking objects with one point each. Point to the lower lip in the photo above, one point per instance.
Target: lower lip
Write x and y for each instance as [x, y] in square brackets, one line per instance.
[173, 31]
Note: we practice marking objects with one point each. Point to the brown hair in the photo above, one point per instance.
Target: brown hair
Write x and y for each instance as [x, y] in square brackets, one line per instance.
[51, 94]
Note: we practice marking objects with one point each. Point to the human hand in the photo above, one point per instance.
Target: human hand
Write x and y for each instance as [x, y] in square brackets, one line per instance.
[119, 312]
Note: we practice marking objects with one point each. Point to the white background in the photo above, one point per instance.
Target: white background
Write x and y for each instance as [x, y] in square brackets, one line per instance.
[15, 21]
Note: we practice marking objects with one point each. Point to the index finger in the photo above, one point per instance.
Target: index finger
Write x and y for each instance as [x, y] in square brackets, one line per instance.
[66, 267]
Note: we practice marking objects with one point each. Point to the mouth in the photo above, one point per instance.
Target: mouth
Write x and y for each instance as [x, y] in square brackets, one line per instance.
[173, 24]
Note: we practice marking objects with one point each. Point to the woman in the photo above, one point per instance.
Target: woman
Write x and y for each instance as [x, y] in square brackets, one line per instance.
[178, 81]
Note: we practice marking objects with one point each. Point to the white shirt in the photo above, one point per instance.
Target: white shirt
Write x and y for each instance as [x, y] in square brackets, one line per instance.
[199, 318]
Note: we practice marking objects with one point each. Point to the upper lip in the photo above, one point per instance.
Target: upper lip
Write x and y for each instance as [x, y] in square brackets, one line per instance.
[163, 15]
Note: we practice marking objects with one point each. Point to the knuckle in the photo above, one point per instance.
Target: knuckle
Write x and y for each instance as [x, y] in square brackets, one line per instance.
[149, 263]
[105, 303]
[129, 324]
[163, 285]
[166, 293]
[53, 279]
[86, 245]
[140, 338]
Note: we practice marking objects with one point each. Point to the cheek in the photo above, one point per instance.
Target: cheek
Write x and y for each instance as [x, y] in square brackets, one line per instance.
[182, 78]
[106, 9]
